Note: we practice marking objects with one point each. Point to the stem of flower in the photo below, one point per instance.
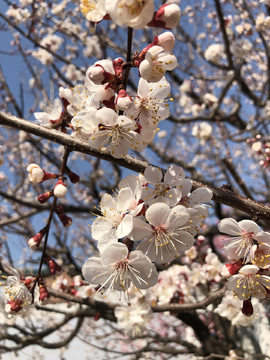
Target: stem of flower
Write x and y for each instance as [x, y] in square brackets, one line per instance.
[63, 166]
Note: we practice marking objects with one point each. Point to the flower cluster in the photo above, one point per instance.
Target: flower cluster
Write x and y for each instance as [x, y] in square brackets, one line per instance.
[249, 251]
[162, 215]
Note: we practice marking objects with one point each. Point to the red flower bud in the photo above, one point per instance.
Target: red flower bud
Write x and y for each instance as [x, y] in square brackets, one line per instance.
[74, 178]
[45, 197]
[35, 241]
[55, 269]
[66, 220]
[44, 295]
[14, 306]
[167, 17]
[247, 308]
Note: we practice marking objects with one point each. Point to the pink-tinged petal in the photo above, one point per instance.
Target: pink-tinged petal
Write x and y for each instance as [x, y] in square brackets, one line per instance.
[140, 230]
[157, 214]
[201, 195]
[229, 226]
[125, 227]
[153, 175]
[124, 199]
[249, 226]
[174, 175]
[178, 217]
[113, 254]
[185, 187]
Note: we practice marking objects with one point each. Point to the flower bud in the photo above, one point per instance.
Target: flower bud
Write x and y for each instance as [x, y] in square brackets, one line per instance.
[45, 197]
[74, 178]
[167, 17]
[35, 173]
[44, 295]
[35, 241]
[231, 269]
[13, 307]
[60, 189]
[66, 220]
[38, 175]
[74, 292]
[247, 308]
[55, 269]
[123, 100]
[166, 40]
[118, 67]
[96, 74]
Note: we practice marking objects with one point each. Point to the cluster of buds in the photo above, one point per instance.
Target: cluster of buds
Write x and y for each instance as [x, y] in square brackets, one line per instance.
[261, 146]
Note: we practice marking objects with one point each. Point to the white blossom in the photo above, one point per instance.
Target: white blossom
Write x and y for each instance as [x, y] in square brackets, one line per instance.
[165, 235]
[155, 64]
[117, 268]
[132, 13]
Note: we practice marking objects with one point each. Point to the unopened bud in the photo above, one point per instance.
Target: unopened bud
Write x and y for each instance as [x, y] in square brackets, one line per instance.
[37, 175]
[166, 40]
[35, 241]
[74, 292]
[55, 269]
[247, 308]
[13, 307]
[45, 197]
[167, 17]
[66, 220]
[74, 178]
[123, 100]
[118, 67]
[44, 295]
[96, 74]
[231, 269]
[60, 189]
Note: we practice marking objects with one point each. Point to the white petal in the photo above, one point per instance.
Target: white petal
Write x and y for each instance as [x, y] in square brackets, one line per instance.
[125, 227]
[229, 226]
[157, 214]
[113, 254]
